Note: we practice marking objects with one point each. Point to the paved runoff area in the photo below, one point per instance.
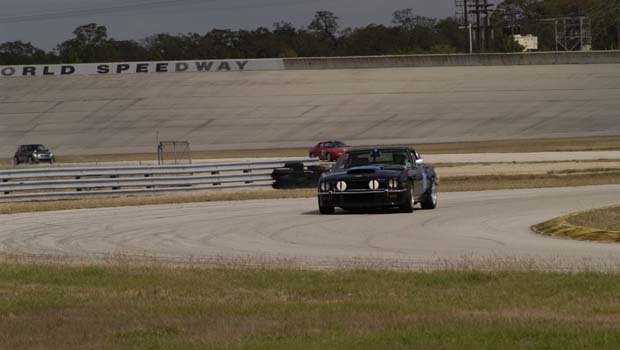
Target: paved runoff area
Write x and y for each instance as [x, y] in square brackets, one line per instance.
[491, 225]
[110, 114]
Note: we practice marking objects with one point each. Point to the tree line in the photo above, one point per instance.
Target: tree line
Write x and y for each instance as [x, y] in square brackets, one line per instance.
[408, 34]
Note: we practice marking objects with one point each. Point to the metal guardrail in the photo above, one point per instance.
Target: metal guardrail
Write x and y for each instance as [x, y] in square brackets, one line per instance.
[62, 183]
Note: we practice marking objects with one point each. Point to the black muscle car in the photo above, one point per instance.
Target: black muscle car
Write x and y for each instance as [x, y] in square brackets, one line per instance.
[373, 178]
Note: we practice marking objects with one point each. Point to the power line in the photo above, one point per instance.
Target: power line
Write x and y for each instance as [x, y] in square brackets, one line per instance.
[67, 13]
[136, 6]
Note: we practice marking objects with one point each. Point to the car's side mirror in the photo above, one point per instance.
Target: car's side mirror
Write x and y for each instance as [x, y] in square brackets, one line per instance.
[419, 162]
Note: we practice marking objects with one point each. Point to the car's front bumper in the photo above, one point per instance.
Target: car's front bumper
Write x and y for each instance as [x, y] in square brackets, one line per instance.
[43, 156]
[364, 199]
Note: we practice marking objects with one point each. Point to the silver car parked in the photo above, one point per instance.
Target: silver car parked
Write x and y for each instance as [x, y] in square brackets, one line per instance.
[33, 154]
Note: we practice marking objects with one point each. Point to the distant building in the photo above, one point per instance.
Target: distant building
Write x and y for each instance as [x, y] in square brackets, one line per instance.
[529, 42]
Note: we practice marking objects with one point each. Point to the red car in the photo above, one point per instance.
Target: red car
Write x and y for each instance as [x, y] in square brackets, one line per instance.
[328, 150]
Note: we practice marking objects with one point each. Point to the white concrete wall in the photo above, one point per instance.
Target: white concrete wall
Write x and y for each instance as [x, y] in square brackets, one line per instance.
[296, 108]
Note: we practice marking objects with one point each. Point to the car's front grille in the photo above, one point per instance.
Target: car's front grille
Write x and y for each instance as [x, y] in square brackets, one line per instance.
[362, 184]
[359, 198]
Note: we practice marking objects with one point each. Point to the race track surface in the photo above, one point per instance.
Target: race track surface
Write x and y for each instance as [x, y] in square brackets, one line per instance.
[491, 225]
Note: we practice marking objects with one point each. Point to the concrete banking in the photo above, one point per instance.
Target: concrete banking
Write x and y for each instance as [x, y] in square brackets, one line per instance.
[514, 96]
[458, 60]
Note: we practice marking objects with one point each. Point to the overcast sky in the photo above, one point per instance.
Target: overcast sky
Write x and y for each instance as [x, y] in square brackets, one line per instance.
[189, 15]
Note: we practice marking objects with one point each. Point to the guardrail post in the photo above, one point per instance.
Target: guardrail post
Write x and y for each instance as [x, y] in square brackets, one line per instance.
[216, 173]
[114, 177]
[248, 171]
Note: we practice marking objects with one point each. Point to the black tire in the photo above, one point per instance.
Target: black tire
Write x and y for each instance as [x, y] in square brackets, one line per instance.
[278, 172]
[51, 161]
[30, 160]
[328, 157]
[407, 207]
[430, 201]
[325, 210]
[312, 155]
[15, 160]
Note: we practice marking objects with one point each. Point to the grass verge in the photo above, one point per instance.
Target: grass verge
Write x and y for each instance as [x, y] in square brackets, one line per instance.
[577, 144]
[599, 225]
[128, 307]
[503, 182]
[448, 184]
[26, 207]
[601, 219]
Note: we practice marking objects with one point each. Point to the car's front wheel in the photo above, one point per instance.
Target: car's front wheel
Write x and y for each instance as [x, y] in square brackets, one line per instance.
[430, 201]
[325, 210]
[15, 160]
[407, 206]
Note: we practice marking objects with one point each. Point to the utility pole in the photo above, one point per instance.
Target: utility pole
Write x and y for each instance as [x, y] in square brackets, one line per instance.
[471, 39]
[468, 27]
[474, 17]
[556, 37]
[479, 45]
[618, 22]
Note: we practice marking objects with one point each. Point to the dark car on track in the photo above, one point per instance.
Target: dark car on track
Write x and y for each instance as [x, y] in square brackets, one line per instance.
[33, 154]
[328, 150]
[379, 177]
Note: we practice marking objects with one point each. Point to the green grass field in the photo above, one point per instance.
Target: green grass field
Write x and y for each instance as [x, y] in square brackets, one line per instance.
[122, 307]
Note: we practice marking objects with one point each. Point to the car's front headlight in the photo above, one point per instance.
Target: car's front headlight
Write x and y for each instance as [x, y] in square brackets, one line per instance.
[341, 186]
[373, 185]
[325, 186]
[393, 184]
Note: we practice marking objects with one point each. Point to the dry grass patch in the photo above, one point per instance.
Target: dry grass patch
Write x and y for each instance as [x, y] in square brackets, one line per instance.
[499, 182]
[25, 207]
[502, 146]
[600, 225]
[529, 168]
[224, 154]
[601, 219]
[525, 145]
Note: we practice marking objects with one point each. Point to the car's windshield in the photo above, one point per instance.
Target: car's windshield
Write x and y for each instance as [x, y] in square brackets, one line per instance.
[388, 158]
[41, 148]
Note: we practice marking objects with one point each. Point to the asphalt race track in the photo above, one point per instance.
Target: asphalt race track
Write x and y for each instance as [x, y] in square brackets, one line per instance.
[490, 225]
